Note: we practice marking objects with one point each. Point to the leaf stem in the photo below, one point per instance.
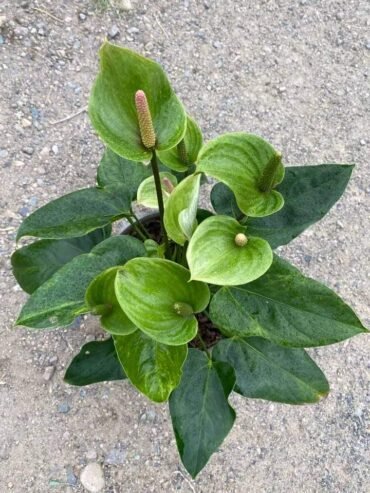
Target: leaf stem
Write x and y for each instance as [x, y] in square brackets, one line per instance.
[136, 228]
[158, 188]
[203, 344]
[140, 224]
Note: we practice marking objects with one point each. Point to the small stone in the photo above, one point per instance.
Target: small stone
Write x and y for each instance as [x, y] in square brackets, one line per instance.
[82, 16]
[91, 454]
[2, 41]
[125, 4]
[92, 478]
[367, 45]
[2, 20]
[133, 30]
[44, 154]
[362, 142]
[28, 150]
[3, 153]
[25, 4]
[23, 211]
[55, 149]
[113, 32]
[64, 408]
[25, 123]
[48, 373]
[18, 163]
[115, 457]
[71, 478]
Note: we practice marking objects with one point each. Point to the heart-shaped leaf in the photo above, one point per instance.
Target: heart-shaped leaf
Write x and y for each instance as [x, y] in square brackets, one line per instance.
[250, 166]
[221, 252]
[285, 307]
[181, 209]
[266, 371]
[185, 154]
[62, 297]
[101, 300]
[112, 103]
[200, 412]
[77, 213]
[147, 195]
[159, 299]
[96, 362]
[152, 367]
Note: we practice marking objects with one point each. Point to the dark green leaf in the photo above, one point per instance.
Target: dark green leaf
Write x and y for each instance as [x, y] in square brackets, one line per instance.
[266, 371]
[201, 415]
[96, 362]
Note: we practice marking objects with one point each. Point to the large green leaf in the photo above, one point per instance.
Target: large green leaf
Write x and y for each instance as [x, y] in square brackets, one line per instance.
[36, 263]
[181, 209]
[153, 368]
[62, 297]
[101, 300]
[240, 161]
[96, 362]
[147, 194]
[217, 253]
[201, 415]
[192, 143]
[112, 103]
[309, 193]
[285, 307]
[159, 299]
[266, 371]
[78, 213]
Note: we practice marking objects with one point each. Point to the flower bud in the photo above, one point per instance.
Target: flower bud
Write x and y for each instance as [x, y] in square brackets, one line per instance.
[240, 240]
[267, 181]
[181, 150]
[183, 309]
[145, 120]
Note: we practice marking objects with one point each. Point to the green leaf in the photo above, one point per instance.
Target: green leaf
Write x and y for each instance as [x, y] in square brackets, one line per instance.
[181, 209]
[96, 362]
[309, 193]
[112, 103]
[193, 142]
[200, 412]
[214, 256]
[159, 299]
[266, 371]
[147, 195]
[77, 213]
[36, 263]
[62, 297]
[240, 161]
[101, 300]
[152, 367]
[285, 307]
[115, 169]
[153, 249]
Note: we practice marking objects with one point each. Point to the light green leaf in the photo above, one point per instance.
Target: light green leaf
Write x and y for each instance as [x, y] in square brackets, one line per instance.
[152, 367]
[285, 307]
[215, 257]
[200, 412]
[193, 141]
[240, 161]
[147, 195]
[266, 371]
[159, 299]
[181, 209]
[112, 103]
[153, 249]
[62, 297]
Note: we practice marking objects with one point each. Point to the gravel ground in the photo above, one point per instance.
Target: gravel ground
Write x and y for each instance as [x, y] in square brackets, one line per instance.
[295, 72]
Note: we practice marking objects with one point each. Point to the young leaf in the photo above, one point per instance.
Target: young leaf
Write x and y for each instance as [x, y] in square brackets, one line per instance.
[152, 367]
[77, 213]
[240, 161]
[266, 371]
[159, 299]
[36, 263]
[181, 209]
[221, 253]
[200, 412]
[174, 158]
[101, 300]
[62, 297]
[285, 307]
[112, 103]
[147, 195]
[96, 362]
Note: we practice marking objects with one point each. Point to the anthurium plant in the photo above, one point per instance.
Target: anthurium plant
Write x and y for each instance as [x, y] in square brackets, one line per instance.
[195, 304]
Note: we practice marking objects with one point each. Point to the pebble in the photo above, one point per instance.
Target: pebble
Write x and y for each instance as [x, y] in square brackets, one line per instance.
[28, 150]
[18, 163]
[92, 477]
[2, 20]
[44, 154]
[115, 457]
[23, 211]
[82, 16]
[125, 4]
[71, 478]
[3, 153]
[25, 123]
[64, 408]
[2, 41]
[48, 373]
[113, 31]
[55, 149]
[91, 454]
[133, 30]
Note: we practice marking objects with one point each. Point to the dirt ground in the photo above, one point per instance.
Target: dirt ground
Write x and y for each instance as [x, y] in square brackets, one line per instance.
[295, 72]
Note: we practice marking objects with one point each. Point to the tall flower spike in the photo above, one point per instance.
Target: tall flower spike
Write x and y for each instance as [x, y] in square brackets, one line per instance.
[145, 120]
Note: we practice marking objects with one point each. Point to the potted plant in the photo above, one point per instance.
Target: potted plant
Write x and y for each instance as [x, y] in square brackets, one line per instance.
[195, 303]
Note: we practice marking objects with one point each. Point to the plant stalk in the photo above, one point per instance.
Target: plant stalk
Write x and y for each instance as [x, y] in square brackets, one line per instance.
[158, 189]
[136, 228]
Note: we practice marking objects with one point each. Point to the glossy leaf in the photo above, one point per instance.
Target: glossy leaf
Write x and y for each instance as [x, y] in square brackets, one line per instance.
[214, 256]
[62, 297]
[239, 160]
[266, 371]
[153, 291]
[200, 412]
[181, 209]
[147, 195]
[36, 263]
[152, 367]
[112, 103]
[96, 362]
[101, 300]
[285, 307]
[193, 141]
[77, 213]
[153, 249]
